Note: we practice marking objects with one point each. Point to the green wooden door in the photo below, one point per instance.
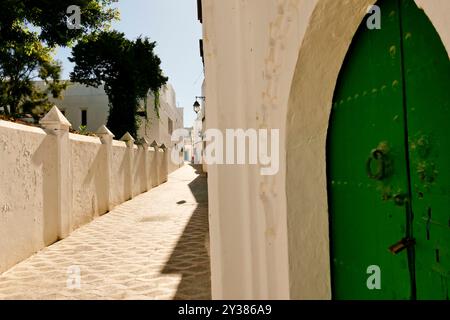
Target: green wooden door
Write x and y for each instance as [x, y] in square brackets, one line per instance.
[388, 147]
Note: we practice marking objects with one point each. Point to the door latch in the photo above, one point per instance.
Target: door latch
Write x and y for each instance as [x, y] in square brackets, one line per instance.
[378, 165]
[402, 245]
[378, 156]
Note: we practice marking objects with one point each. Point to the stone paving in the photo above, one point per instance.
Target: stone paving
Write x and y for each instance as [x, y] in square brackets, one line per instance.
[152, 247]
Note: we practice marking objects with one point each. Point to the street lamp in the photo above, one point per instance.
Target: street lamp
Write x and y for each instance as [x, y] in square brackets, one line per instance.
[197, 104]
[196, 107]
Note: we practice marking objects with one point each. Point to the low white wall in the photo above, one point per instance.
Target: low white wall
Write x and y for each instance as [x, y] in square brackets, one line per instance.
[162, 163]
[153, 168]
[139, 170]
[100, 175]
[120, 191]
[171, 165]
[28, 212]
[89, 176]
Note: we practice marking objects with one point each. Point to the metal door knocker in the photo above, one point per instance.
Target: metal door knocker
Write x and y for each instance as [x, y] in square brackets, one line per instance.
[378, 156]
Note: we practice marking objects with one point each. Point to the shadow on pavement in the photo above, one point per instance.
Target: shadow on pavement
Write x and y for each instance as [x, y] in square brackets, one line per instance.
[190, 257]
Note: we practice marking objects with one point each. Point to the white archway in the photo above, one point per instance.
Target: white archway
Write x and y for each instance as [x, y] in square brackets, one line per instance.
[325, 44]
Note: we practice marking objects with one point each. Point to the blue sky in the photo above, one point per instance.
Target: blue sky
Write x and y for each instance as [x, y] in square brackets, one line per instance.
[174, 26]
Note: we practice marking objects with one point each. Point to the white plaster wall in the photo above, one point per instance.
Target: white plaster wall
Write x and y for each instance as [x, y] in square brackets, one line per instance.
[89, 176]
[162, 160]
[197, 139]
[154, 168]
[248, 46]
[274, 64]
[139, 179]
[172, 166]
[149, 128]
[204, 126]
[120, 191]
[187, 152]
[157, 128]
[151, 171]
[439, 13]
[28, 214]
[29, 166]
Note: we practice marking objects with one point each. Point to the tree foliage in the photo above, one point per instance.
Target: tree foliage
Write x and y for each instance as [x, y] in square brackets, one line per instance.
[127, 69]
[30, 30]
[20, 64]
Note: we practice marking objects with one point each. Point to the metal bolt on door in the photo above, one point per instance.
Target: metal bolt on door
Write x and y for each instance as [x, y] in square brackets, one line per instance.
[388, 156]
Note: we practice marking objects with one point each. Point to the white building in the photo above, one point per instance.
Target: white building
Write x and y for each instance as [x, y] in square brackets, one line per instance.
[202, 117]
[170, 118]
[187, 146]
[197, 139]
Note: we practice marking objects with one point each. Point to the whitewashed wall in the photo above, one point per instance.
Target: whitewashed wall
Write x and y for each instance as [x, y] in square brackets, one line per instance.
[274, 64]
[171, 166]
[120, 189]
[28, 215]
[53, 183]
[89, 176]
[156, 128]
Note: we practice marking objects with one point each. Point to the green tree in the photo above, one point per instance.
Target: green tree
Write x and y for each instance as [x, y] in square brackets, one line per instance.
[30, 30]
[20, 64]
[129, 70]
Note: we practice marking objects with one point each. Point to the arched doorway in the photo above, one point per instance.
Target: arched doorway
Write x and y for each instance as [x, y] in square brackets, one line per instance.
[387, 154]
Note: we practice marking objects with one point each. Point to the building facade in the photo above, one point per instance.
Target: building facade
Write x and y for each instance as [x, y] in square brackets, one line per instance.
[275, 64]
[170, 118]
[197, 139]
[88, 107]
[187, 146]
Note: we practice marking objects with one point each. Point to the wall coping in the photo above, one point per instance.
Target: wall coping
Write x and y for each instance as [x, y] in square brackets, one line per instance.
[82, 138]
[21, 127]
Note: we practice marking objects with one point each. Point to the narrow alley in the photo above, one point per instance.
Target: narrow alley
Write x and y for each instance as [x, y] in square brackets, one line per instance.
[152, 247]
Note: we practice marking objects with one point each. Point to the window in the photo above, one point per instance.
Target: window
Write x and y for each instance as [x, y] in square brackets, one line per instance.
[170, 126]
[83, 117]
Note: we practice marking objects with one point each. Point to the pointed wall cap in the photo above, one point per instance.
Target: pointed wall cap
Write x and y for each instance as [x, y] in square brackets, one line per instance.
[154, 144]
[128, 139]
[105, 135]
[104, 131]
[54, 119]
[143, 141]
